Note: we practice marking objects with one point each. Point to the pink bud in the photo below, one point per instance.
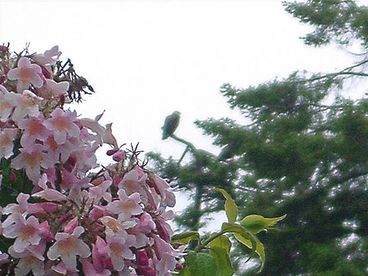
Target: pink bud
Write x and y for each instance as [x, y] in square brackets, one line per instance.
[3, 49]
[162, 231]
[178, 267]
[142, 258]
[146, 271]
[69, 228]
[63, 218]
[13, 177]
[45, 230]
[45, 72]
[116, 180]
[48, 207]
[111, 152]
[119, 155]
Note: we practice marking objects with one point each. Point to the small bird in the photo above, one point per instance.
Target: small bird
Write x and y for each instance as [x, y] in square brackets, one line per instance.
[170, 124]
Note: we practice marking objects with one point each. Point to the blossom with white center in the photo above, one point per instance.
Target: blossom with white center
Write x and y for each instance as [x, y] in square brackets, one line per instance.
[25, 231]
[7, 137]
[31, 159]
[62, 124]
[26, 73]
[126, 206]
[67, 247]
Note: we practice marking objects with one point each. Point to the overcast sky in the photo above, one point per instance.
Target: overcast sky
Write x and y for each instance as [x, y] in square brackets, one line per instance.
[146, 59]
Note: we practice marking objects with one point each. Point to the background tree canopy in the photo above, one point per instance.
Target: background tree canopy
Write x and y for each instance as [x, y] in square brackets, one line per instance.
[304, 154]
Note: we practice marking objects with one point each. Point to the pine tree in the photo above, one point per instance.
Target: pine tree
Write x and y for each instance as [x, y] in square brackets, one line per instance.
[302, 154]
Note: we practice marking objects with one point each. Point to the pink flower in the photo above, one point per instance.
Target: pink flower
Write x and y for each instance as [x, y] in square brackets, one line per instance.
[109, 138]
[27, 232]
[126, 206]
[67, 247]
[118, 247]
[89, 269]
[69, 228]
[113, 225]
[49, 57]
[7, 103]
[162, 188]
[31, 159]
[62, 124]
[53, 90]
[20, 208]
[7, 137]
[26, 74]
[50, 195]
[26, 104]
[95, 127]
[166, 256]
[47, 193]
[100, 256]
[96, 193]
[133, 181]
[4, 258]
[33, 129]
[30, 260]
[57, 151]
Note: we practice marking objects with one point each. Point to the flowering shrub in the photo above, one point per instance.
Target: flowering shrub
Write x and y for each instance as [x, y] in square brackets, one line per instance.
[61, 217]
[63, 214]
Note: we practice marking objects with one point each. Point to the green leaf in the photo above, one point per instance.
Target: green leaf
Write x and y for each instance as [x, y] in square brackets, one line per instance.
[222, 259]
[185, 237]
[259, 247]
[221, 242]
[241, 231]
[199, 264]
[230, 206]
[257, 223]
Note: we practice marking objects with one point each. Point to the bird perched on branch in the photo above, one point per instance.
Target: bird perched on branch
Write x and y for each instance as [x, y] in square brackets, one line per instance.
[170, 124]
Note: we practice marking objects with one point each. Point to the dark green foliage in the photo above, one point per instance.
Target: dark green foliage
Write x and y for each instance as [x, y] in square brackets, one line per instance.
[303, 154]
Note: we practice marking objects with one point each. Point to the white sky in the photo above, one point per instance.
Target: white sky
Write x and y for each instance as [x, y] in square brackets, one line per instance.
[146, 59]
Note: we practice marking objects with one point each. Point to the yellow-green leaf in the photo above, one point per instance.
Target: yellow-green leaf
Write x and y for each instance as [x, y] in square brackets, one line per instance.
[230, 206]
[223, 263]
[257, 223]
[240, 230]
[221, 242]
[199, 264]
[185, 237]
[259, 247]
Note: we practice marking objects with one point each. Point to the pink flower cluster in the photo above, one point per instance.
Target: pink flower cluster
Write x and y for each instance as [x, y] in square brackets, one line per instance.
[70, 217]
